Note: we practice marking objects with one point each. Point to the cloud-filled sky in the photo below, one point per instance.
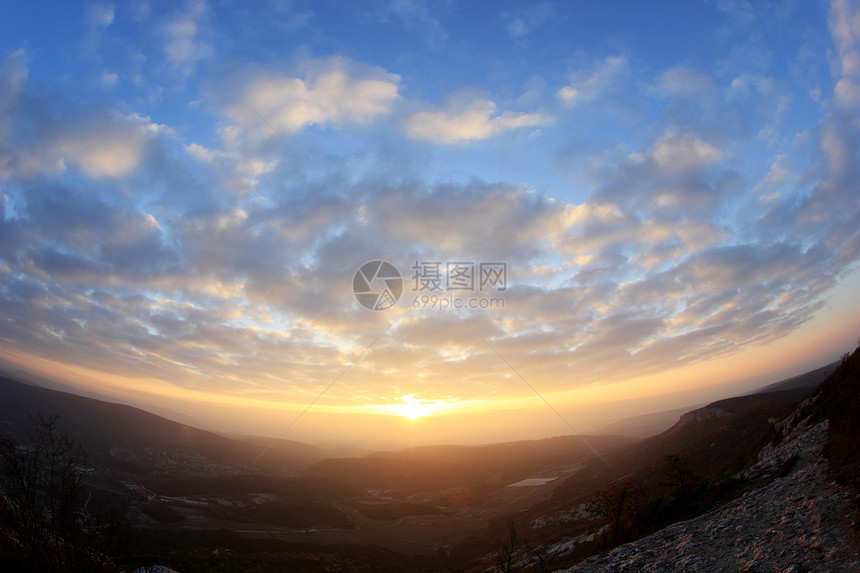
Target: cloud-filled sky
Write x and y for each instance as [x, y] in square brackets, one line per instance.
[188, 189]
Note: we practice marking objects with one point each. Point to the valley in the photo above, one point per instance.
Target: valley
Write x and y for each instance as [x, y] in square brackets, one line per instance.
[190, 498]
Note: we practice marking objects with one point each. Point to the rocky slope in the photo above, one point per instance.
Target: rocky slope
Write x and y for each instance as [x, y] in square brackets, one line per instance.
[796, 523]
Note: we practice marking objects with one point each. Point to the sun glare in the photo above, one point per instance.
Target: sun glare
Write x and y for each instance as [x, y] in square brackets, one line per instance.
[413, 408]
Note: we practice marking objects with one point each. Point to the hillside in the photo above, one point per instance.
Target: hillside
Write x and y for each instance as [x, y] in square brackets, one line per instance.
[645, 425]
[795, 508]
[678, 474]
[714, 442]
[795, 523]
[810, 379]
[135, 440]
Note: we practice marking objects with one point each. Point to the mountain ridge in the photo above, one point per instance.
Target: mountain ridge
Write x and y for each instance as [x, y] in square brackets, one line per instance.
[121, 433]
[800, 508]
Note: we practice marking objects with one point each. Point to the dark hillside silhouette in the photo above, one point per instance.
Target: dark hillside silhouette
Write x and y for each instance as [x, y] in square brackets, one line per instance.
[839, 402]
[100, 426]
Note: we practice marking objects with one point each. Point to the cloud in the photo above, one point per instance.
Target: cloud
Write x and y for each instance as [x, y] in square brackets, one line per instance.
[183, 46]
[679, 174]
[106, 150]
[521, 23]
[256, 298]
[108, 79]
[677, 152]
[845, 27]
[779, 174]
[413, 15]
[44, 133]
[333, 91]
[227, 264]
[588, 86]
[238, 173]
[246, 283]
[100, 15]
[475, 121]
[830, 211]
[685, 82]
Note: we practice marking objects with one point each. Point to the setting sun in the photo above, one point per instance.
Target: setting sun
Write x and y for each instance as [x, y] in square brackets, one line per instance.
[413, 408]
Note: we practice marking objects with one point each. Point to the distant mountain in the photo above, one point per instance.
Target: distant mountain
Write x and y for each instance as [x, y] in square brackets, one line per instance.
[646, 425]
[436, 467]
[810, 379]
[8, 371]
[135, 440]
[715, 441]
[522, 454]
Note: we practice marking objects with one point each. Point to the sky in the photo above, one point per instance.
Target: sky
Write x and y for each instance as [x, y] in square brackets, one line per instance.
[413, 222]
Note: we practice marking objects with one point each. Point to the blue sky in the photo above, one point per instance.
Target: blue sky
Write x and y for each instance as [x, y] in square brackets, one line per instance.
[188, 188]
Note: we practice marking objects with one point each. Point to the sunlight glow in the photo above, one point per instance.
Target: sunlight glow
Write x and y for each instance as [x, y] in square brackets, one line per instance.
[413, 408]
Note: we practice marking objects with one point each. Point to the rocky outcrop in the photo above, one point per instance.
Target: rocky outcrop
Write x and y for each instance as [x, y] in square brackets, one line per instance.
[796, 523]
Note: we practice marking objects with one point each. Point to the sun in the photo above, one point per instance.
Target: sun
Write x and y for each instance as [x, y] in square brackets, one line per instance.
[414, 408]
[412, 411]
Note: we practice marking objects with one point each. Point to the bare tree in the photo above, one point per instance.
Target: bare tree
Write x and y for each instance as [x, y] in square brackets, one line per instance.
[507, 548]
[41, 478]
[543, 555]
[681, 481]
[609, 504]
[625, 506]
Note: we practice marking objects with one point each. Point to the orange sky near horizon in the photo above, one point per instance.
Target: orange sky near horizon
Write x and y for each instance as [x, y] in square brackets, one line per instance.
[399, 423]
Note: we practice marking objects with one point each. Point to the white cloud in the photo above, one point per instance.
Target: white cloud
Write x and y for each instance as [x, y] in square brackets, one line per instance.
[337, 93]
[239, 174]
[684, 82]
[845, 27]
[100, 15]
[587, 87]
[779, 174]
[676, 151]
[103, 150]
[413, 15]
[844, 24]
[108, 79]
[47, 135]
[13, 76]
[204, 153]
[847, 92]
[477, 121]
[523, 22]
[182, 44]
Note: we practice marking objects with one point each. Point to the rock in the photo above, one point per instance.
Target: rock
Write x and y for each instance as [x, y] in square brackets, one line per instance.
[794, 524]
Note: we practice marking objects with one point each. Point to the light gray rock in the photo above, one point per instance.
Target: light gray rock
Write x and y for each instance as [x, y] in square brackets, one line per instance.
[794, 524]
